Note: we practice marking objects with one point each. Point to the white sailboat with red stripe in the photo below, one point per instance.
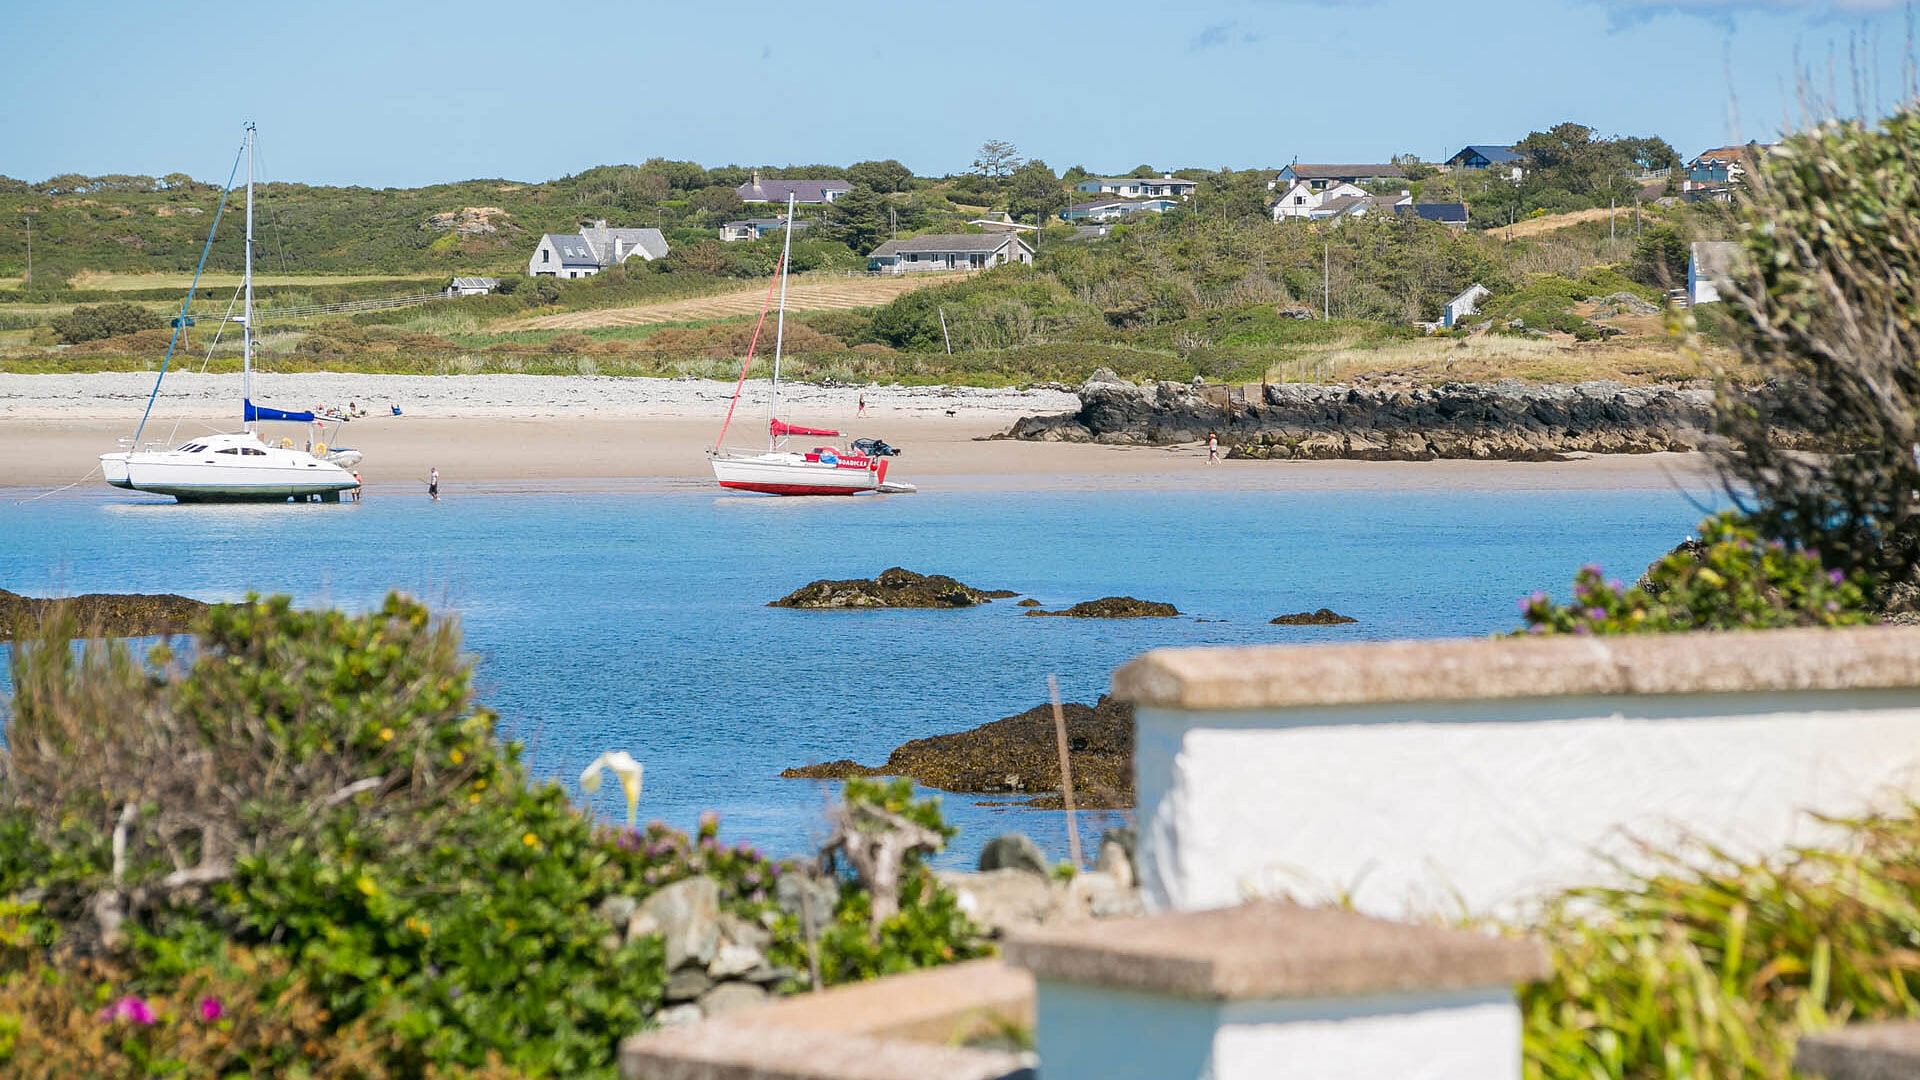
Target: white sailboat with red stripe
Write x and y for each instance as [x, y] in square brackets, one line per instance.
[826, 469]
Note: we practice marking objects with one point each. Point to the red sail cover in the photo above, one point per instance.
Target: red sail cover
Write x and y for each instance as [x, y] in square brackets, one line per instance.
[781, 428]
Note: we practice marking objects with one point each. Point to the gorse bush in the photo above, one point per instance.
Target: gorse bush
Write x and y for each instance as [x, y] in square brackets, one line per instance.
[312, 818]
[1823, 307]
[91, 323]
[1728, 579]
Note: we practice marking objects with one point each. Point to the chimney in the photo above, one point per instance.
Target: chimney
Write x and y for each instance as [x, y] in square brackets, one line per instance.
[756, 179]
[600, 223]
[619, 249]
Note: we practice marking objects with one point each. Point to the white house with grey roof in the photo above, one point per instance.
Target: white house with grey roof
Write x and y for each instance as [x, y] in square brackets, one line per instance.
[596, 248]
[960, 251]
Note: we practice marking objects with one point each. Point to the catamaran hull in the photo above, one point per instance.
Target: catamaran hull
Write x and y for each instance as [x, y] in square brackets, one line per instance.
[190, 481]
[797, 476]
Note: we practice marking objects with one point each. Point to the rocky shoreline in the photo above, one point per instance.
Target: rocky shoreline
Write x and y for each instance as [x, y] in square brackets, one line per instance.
[108, 614]
[1017, 755]
[1502, 421]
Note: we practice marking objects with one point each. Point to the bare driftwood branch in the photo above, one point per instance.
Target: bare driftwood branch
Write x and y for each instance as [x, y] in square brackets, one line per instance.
[877, 842]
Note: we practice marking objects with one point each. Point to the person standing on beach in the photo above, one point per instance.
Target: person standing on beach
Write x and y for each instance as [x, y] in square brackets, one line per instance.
[433, 484]
[1213, 448]
[863, 405]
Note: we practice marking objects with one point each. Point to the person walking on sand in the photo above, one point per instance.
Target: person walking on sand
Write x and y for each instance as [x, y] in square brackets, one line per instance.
[433, 484]
[863, 405]
[1213, 448]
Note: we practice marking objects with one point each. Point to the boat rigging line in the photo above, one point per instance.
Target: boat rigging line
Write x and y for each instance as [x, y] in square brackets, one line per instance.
[748, 362]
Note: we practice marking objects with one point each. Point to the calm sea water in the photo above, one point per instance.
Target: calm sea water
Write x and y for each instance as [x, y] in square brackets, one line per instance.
[637, 620]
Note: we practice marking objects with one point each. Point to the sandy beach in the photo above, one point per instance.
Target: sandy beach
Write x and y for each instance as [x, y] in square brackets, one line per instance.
[561, 432]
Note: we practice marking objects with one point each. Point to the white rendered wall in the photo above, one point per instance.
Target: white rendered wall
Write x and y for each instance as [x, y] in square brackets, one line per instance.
[1091, 1033]
[1417, 810]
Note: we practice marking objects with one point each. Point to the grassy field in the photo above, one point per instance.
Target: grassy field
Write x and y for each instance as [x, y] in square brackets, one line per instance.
[110, 282]
[820, 294]
[1555, 222]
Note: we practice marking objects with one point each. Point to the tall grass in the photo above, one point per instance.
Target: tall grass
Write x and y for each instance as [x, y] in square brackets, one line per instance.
[1712, 965]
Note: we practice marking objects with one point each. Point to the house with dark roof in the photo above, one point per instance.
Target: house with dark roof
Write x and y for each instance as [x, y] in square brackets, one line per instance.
[596, 248]
[1445, 213]
[1319, 177]
[1115, 209]
[1504, 159]
[755, 228]
[804, 192]
[1166, 185]
[958, 251]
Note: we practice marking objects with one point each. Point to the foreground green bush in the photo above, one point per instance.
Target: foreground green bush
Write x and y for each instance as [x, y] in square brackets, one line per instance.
[1729, 579]
[1713, 967]
[317, 793]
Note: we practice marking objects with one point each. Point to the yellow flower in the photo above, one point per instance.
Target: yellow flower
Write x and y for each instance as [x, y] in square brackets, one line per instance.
[530, 840]
[1707, 575]
[474, 799]
[456, 757]
[367, 886]
[386, 734]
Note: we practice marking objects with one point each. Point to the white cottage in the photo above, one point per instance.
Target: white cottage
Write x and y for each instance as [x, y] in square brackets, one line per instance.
[593, 250]
[963, 251]
[1301, 199]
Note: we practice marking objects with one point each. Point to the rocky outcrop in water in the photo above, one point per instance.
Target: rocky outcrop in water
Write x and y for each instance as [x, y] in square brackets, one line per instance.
[107, 614]
[1115, 607]
[1322, 617]
[1018, 755]
[1506, 421]
[895, 588]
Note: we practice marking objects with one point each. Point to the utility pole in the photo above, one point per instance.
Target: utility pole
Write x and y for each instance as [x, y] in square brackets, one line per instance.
[29, 281]
[1611, 200]
[1326, 284]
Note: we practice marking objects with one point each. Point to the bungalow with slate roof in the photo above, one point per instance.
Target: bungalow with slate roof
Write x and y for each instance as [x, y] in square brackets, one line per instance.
[595, 249]
[1446, 213]
[1318, 177]
[1135, 187]
[1501, 158]
[472, 286]
[963, 251]
[804, 192]
[1115, 209]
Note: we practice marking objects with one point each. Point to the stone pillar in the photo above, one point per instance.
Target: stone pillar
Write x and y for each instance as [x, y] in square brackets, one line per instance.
[1270, 989]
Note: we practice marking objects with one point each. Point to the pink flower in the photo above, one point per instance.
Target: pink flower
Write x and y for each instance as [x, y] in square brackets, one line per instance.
[211, 1009]
[131, 1008]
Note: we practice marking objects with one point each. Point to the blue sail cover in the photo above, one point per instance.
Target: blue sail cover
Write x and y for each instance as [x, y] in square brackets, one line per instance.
[260, 412]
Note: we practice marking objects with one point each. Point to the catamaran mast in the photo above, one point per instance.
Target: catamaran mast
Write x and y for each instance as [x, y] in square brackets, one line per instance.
[246, 310]
[780, 322]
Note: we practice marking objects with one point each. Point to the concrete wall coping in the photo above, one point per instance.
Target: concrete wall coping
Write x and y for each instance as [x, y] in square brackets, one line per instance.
[1269, 950]
[902, 1027]
[1883, 1051]
[714, 1050]
[1294, 676]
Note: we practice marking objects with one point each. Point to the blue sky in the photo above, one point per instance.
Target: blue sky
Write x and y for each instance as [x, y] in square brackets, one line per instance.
[403, 93]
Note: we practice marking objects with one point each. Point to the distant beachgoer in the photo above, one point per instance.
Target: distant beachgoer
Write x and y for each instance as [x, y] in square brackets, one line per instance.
[1213, 448]
[356, 487]
[433, 484]
[863, 405]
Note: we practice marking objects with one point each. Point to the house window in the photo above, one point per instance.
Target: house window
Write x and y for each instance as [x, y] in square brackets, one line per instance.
[546, 255]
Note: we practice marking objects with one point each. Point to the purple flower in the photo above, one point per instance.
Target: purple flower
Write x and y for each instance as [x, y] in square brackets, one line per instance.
[1836, 576]
[1596, 614]
[1833, 607]
[1591, 568]
[1582, 628]
[1615, 585]
[1536, 628]
[211, 1009]
[131, 1008]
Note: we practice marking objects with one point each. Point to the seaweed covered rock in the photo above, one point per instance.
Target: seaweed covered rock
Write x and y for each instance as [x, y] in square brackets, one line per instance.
[1321, 617]
[895, 588]
[1017, 755]
[1115, 607]
[106, 614]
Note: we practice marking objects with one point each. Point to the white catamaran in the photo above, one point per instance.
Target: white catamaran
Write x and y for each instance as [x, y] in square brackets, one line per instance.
[859, 468]
[232, 467]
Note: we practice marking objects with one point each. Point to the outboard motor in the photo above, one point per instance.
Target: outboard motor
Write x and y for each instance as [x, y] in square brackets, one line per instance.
[875, 448]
